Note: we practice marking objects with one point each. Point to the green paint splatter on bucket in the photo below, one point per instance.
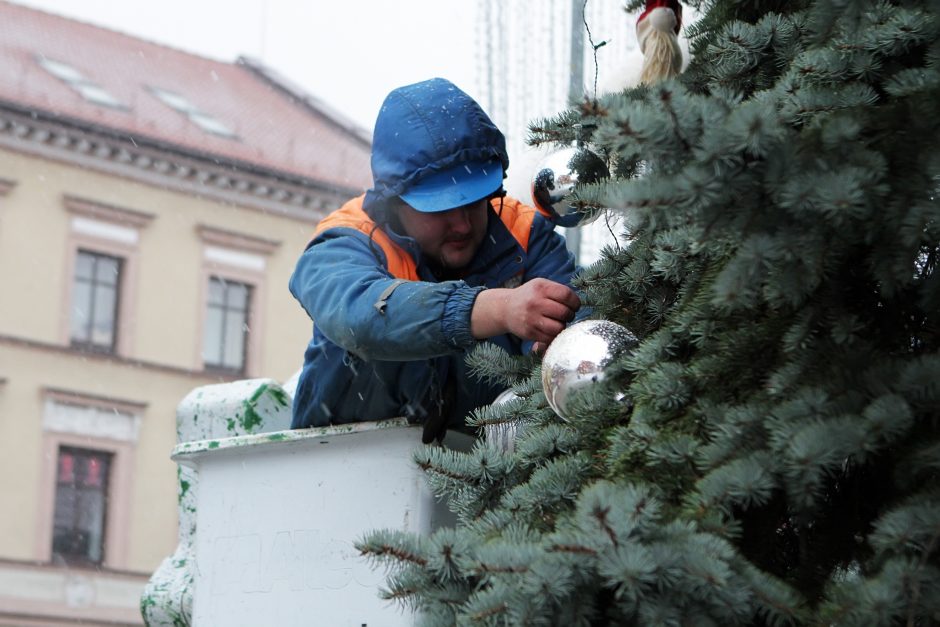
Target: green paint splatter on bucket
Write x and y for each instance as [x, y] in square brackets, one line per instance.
[281, 397]
[261, 390]
[251, 419]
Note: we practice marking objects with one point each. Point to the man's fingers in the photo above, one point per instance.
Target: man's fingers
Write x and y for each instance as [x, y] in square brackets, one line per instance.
[545, 329]
[557, 311]
[570, 300]
[562, 294]
[541, 309]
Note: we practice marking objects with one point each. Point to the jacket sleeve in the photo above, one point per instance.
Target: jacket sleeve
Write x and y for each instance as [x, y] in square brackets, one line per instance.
[358, 305]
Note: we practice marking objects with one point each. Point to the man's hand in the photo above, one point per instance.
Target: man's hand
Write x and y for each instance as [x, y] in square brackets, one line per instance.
[537, 310]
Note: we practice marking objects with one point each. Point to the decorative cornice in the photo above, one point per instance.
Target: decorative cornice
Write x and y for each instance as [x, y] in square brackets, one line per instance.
[5, 186]
[168, 167]
[110, 213]
[231, 239]
[81, 399]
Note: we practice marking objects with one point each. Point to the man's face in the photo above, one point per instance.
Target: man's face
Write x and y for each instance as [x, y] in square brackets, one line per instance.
[449, 239]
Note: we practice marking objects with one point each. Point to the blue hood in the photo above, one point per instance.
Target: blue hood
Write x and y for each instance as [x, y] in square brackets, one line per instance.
[425, 128]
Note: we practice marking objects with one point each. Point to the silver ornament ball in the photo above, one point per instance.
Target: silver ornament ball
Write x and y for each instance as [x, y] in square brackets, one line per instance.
[556, 178]
[578, 358]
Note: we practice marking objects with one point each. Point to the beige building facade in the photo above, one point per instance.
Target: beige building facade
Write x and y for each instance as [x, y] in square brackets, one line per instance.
[150, 218]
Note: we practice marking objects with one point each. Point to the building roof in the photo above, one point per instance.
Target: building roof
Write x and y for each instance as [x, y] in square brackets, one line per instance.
[239, 113]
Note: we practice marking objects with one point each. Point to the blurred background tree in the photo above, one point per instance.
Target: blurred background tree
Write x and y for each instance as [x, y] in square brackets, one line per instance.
[775, 458]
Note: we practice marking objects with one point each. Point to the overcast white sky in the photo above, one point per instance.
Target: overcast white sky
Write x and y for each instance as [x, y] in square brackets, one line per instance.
[349, 53]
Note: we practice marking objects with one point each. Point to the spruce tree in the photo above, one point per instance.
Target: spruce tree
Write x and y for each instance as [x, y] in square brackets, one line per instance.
[775, 458]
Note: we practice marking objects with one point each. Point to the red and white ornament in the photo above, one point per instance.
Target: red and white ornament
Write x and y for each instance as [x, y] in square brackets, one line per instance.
[657, 31]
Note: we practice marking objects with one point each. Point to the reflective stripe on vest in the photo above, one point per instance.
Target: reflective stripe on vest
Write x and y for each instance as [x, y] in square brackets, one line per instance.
[516, 216]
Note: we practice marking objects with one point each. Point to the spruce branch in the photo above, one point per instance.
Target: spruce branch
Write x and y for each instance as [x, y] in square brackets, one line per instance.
[512, 411]
[450, 555]
[388, 546]
[489, 362]
[546, 443]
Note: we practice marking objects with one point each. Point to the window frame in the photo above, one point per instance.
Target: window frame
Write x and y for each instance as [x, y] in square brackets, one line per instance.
[252, 296]
[127, 281]
[243, 259]
[89, 345]
[115, 543]
[252, 345]
[84, 451]
[124, 223]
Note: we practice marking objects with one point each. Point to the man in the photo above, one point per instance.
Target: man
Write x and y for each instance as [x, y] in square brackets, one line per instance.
[403, 281]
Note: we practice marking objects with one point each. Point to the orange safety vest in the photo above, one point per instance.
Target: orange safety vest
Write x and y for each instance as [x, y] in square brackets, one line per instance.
[516, 216]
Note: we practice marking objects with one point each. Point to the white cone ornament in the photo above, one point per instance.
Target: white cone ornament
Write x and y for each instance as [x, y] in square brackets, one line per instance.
[579, 356]
[556, 178]
[502, 437]
[657, 31]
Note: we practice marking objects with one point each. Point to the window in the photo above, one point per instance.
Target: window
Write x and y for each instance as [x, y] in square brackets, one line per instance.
[76, 80]
[100, 287]
[198, 117]
[95, 296]
[227, 325]
[231, 305]
[81, 501]
[87, 473]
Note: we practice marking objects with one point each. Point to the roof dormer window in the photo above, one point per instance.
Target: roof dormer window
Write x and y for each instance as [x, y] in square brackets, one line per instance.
[198, 117]
[88, 90]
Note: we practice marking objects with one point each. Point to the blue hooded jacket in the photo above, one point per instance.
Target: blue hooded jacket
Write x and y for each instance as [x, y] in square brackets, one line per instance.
[366, 362]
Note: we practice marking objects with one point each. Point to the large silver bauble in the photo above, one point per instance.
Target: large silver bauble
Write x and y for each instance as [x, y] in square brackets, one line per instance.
[556, 178]
[578, 357]
[502, 437]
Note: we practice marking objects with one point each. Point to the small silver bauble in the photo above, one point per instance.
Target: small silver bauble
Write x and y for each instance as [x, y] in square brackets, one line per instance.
[555, 180]
[502, 437]
[578, 357]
